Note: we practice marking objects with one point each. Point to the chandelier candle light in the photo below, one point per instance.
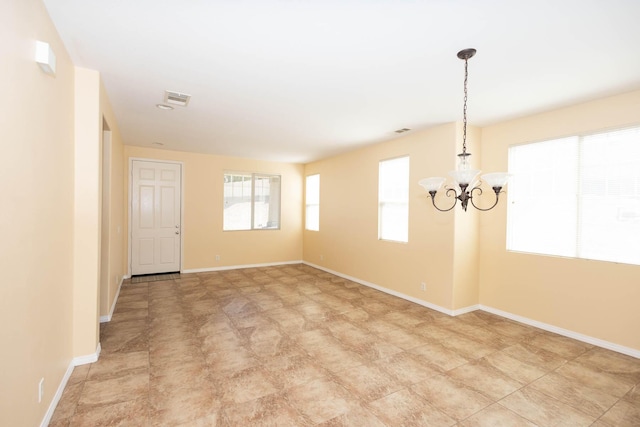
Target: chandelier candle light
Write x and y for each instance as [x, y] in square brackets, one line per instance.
[464, 176]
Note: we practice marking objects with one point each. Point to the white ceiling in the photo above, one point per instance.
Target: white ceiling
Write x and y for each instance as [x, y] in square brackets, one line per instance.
[299, 80]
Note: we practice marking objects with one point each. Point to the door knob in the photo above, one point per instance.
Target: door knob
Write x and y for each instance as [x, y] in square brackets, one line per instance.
[177, 232]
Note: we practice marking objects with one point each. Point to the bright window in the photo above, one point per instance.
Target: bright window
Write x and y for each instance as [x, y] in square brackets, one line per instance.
[577, 197]
[251, 201]
[312, 201]
[393, 199]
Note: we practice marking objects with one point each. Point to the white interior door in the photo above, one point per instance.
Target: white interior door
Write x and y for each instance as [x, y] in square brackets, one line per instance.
[155, 217]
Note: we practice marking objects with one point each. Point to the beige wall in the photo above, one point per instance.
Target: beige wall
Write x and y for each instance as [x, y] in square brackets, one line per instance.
[92, 112]
[462, 256]
[50, 248]
[88, 125]
[203, 237]
[594, 298]
[36, 222]
[466, 235]
[114, 259]
[348, 238]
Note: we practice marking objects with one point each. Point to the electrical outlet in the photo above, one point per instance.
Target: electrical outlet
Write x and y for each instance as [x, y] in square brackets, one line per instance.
[423, 286]
[40, 389]
[321, 257]
[217, 257]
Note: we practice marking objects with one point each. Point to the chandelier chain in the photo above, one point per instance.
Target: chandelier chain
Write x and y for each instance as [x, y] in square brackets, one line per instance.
[464, 110]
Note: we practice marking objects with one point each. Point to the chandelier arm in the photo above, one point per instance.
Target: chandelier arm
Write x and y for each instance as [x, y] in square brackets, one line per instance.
[479, 193]
[455, 199]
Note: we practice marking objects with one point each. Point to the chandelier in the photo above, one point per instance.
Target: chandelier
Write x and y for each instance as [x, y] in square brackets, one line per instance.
[464, 176]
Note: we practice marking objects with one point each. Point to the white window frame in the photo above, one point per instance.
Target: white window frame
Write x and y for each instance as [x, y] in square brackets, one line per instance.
[312, 203]
[254, 199]
[393, 199]
[577, 197]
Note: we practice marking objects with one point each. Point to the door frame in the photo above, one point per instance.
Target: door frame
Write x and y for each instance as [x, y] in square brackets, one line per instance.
[106, 161]
[129, 203]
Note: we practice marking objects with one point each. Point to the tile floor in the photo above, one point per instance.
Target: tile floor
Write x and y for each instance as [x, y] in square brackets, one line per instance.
[295, 346]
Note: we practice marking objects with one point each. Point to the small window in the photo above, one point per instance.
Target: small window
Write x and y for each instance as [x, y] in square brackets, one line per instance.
[312, 200]
[251, 201]
[577, 197]
[393, 200]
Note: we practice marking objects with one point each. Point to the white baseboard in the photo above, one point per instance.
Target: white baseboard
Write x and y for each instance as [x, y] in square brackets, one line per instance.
[56, 397]
[465, 310]
[236, 267]
[107, 318]
[76, 361]
[397, 294]
[564, 332]
[544, 326]
[89, 358]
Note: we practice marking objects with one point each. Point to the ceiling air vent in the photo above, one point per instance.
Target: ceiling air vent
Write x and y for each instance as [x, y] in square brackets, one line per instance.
[403, 130]
[176, 98]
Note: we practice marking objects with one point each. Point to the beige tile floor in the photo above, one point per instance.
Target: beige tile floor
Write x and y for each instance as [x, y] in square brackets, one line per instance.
[295, 346]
